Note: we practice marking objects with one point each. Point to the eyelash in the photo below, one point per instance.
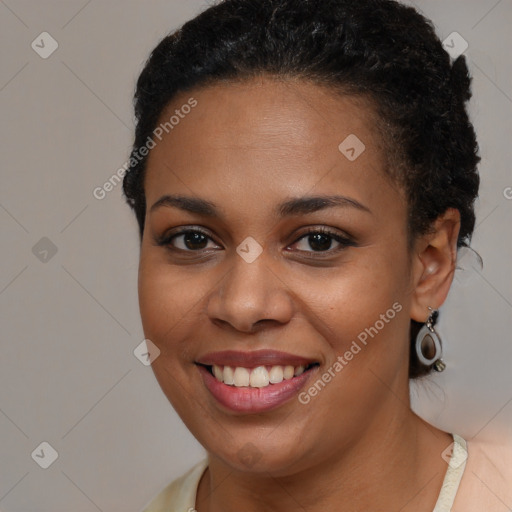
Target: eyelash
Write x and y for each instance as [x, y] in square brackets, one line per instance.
[344, 241]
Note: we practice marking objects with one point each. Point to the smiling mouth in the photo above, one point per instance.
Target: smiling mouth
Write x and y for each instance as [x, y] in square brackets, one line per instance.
[257, 377]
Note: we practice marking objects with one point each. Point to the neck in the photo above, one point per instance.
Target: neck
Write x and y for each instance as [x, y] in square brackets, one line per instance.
[395, 465]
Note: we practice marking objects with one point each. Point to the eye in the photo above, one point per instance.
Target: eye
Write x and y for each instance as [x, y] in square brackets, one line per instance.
[322, 240]
[315, 240]
[188, 240]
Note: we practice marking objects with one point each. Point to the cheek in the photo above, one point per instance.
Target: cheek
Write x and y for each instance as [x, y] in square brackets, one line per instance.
[361, 312]
[344, 301]
[168, 298]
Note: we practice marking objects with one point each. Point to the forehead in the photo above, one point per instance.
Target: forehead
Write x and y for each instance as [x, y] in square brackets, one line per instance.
[267, 136]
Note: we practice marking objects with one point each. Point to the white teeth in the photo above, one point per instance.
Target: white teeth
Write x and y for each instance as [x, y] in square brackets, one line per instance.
[276, 374]
[219, 374]
[228, 375]
[299, 370]
[258, 377]
[241, 377]
[288, 372]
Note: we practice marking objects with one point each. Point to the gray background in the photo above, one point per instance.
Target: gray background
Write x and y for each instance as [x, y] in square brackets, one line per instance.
[70, 320]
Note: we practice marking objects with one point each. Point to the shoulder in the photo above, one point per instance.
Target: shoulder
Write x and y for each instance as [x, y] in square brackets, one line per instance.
[180, 494]
[487, 480]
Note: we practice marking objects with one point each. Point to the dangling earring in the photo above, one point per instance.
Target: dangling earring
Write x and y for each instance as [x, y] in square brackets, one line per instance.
[428, 343]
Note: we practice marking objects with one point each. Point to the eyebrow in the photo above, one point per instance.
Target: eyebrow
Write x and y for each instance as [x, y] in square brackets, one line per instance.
[296, 206]
[310, 204]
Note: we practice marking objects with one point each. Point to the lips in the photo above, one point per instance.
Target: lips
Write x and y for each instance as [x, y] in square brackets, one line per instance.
[254, 381]
[253, 359]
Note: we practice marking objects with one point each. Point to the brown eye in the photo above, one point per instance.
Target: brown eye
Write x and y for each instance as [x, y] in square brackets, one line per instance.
[318, 241]
[190, 240]
[322, 240]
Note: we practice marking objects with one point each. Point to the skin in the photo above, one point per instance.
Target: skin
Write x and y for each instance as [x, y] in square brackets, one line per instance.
[247, 147]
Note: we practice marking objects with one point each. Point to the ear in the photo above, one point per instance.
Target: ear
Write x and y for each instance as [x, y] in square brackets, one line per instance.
[434, 262]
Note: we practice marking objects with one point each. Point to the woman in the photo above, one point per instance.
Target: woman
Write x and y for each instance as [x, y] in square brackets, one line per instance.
[303, 173]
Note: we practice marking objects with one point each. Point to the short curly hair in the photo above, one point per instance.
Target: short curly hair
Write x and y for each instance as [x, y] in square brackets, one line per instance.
[379, 49]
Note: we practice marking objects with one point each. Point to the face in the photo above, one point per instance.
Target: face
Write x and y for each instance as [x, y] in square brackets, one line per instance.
[277, 260]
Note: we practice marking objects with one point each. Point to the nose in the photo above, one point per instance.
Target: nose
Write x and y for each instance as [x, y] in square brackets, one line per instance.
[250, 296]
